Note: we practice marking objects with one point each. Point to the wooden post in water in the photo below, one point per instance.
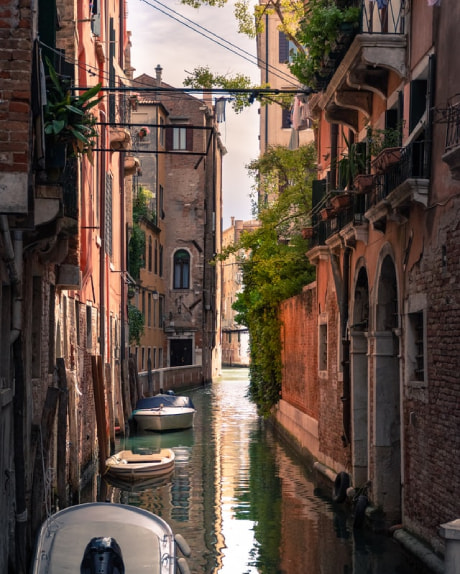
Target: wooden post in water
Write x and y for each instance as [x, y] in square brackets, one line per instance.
[42, 458]
[110, 405]
[99, 402]
[62, 434]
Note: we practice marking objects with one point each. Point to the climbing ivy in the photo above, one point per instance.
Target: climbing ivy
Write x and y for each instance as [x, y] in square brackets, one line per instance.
[136, 324]
[274, 265]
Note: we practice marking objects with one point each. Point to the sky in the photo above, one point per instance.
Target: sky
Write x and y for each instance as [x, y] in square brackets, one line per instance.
[159, 38]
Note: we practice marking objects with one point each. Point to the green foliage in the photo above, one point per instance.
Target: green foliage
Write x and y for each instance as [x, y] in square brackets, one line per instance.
[380, 139]
[353, 162]
[136, 324]
[275, 267]
[202, 77]
[136, 252]
[68, 118]
[319, 32]
[136, 248]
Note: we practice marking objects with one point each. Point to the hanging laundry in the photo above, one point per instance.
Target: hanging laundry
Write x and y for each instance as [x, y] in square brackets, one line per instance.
[380, 3]
[220, 110]
[300, 114]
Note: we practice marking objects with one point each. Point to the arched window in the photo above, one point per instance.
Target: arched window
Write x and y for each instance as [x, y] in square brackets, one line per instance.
[181, 269]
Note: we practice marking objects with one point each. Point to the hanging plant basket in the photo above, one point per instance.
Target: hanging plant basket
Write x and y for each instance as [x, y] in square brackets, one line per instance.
[143, 132]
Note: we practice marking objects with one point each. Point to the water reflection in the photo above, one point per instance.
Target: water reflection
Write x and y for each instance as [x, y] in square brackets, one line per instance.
[246, 505]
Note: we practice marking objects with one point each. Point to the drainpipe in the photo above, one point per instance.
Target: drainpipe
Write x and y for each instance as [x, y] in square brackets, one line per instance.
[13, 258]
[346, 398]
[102, 235]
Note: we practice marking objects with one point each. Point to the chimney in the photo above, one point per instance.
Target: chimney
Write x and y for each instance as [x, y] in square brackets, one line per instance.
[158, 71]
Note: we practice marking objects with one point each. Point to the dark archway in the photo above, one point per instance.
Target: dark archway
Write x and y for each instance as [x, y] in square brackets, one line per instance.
[360, 379]
[386, 399]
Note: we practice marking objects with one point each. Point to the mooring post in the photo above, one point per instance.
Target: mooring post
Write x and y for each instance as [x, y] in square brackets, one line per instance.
[450, 531]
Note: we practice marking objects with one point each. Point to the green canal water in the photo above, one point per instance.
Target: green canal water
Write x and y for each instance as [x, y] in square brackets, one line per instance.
[246, 504]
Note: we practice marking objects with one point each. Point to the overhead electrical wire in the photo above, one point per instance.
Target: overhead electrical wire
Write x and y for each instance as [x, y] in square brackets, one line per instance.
[251, 59]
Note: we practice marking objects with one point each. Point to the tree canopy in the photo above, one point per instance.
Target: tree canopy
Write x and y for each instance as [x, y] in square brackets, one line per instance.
[274, 266]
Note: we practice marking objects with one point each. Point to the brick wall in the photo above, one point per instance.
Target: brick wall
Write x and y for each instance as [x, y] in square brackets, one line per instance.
[299, 355]
[310, 391]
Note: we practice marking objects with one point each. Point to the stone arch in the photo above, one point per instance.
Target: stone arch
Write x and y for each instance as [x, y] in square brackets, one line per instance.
[386, 399]
[360, 376]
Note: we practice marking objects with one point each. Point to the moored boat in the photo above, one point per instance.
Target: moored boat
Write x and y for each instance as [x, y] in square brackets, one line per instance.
[164, 412]
[107, 538]
[131, 465]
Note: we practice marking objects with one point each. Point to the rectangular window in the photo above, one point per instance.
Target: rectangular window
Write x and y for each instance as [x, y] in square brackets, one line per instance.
[180, 138]
[149, 310]
[322, 351]
[162, 132]
[143, 359]
[286, 119]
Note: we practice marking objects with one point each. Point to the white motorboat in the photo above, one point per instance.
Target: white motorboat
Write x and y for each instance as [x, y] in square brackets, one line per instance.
[133, 465]
[107, 538]
[164, 412]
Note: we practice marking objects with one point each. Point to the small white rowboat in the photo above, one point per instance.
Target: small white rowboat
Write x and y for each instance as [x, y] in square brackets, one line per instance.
[129, 465]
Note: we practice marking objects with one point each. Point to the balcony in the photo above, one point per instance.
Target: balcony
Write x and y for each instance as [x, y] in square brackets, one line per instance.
[402, 184]
[451, 156]
[389, 197]
[378, 49]
[330, 218]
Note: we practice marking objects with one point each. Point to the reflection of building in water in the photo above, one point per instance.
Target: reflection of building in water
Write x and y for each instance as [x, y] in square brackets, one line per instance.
[180, 494]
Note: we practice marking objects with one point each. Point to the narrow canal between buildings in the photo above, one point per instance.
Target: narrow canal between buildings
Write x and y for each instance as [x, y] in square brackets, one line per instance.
[246, 504]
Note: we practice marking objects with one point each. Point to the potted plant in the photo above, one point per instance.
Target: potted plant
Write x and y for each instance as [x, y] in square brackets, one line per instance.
[68, 120]
[353, 162]
[385, 147]
[322, 32]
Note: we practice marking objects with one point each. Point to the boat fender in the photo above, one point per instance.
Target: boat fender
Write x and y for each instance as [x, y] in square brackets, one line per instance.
[360, 511]
[182, 545]
[341, 484]
[183, 566]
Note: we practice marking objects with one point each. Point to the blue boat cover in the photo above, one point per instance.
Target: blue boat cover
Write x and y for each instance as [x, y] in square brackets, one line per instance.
[165, 400]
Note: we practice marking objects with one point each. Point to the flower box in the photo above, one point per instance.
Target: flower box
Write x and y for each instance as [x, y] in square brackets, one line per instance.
[386, 158]
[326, 213]
[307, 232]
[341, 200]
[363, 183]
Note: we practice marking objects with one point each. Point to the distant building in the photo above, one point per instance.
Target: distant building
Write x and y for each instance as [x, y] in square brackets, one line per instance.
[184, 173]
[278, 125]
[235, 337]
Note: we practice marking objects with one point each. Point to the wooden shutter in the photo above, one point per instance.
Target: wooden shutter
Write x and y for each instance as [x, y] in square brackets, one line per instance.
[283, 48]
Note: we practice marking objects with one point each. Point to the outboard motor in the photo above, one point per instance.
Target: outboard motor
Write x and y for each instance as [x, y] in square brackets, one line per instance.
[102, 556]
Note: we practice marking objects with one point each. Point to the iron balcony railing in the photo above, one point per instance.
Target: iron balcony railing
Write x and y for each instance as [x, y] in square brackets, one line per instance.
[453, 125]
[414, 163]
[352, 214]
[383, 16]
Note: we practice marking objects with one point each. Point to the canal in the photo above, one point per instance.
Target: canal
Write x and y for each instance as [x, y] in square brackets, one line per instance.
[246, 504]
